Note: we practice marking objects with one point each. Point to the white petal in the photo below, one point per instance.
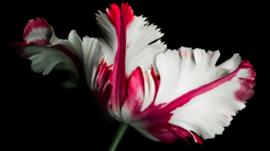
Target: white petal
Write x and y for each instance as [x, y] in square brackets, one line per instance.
[45, 59]
[92, 54]
[75, 42]
[208, 113]
[149, 90]
[109, 42]
[168, 65]
[142, 44]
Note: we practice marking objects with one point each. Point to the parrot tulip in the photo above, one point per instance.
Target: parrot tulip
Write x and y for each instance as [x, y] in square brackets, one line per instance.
[164, 94]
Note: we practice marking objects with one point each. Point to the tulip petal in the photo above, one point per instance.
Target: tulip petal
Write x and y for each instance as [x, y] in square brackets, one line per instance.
[120, 18]
[46, 59]
[92, 54]
[135, 95]
[109, 40]
[73, 43]
[207, 103]
[184, 70]
[151, 86]
[208, 95]
[143, 44]
[47, 52]
[76, 43]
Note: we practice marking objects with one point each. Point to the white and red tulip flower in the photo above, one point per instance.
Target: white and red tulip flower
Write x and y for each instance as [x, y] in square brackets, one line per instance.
[164, 94]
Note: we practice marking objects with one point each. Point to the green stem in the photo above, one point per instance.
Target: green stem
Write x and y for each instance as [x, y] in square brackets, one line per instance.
[119, 135]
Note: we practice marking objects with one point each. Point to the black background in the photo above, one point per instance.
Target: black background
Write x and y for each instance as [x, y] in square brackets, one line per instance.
[38, 113]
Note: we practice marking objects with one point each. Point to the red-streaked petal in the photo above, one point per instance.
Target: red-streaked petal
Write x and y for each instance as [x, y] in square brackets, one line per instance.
[57, 55]
[204, 88]
[209, 108]
[120, 18]
[135, 95]
[48, 53]
[103, 84]
[151, 85]
[142, 38]
[214, 112]
[37, 32]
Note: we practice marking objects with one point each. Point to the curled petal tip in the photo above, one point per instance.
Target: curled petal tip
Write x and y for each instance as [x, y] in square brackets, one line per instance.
[37, 31]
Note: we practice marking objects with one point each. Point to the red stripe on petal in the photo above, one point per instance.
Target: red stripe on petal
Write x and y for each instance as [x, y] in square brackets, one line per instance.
[156, 78]
[135, 92]
[120, 18]
[180, 101]
[156, 117]
[103, 85]
[102, 70]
